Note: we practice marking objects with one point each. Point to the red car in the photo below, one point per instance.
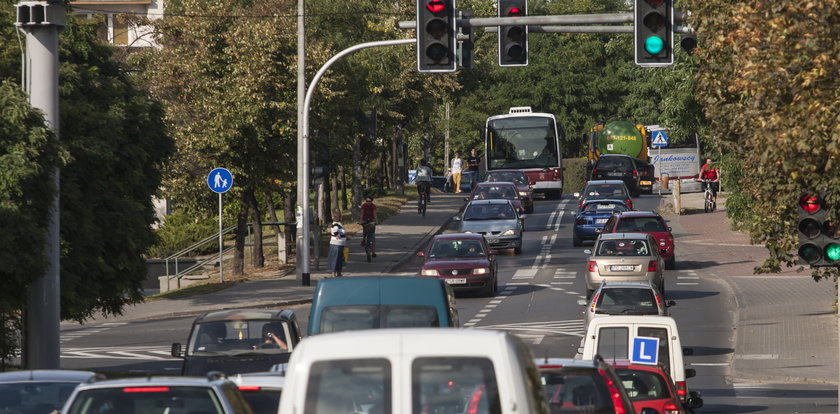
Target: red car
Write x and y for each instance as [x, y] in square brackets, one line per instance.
[463, 260]
[645, 222]
[520, 180]
[498, 191]
[650, 387]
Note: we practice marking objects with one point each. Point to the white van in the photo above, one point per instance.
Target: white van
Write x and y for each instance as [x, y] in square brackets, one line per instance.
[393, 371]
[612, 338]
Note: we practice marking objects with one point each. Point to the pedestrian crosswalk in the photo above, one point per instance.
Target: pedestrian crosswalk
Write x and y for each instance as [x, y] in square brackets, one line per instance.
[71, 334]
[146, 353]
[535, 332]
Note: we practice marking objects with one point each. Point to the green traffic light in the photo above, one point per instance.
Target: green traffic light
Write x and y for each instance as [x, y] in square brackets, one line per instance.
[832, 252]
[654, 45]
[810, 253]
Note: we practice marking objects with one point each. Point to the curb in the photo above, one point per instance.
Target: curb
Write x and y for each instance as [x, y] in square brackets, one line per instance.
[291, 302]
[419, 245]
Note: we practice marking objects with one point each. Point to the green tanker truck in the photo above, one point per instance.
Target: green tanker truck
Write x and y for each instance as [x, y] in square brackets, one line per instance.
[617, 137]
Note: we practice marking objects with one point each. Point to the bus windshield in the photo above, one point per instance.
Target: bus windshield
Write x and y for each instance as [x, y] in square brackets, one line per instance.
[521, 142]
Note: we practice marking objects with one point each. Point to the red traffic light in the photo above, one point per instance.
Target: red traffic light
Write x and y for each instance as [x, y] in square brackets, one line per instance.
[514, 11]
[654, 3]
[810, 203]
[436, 6]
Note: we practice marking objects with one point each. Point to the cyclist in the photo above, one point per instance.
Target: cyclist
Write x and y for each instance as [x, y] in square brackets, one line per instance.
[710, 175]
[424, 179]
[368, 222]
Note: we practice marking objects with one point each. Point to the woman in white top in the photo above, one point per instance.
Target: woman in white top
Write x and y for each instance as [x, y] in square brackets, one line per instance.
[457, 166]
[335, 258]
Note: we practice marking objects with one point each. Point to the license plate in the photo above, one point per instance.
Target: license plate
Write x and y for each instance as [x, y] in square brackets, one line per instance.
[492, 239]
[456, 281]
[645, 183]
[615, 174]
[600, 221]
[617, 268]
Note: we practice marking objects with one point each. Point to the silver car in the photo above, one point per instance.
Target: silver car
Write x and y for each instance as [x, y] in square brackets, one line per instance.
[497, 220]
[625, 298]
[631, 257]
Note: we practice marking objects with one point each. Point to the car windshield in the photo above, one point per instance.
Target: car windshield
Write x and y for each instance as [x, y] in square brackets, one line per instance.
[604, 207]
[641, 225]
[233, 337]
[444, 249]
[576, 390]
[31, 397]
[643, 385]
[623, 247]
[489, 212]
[605, 190]
[355, 317]
[488, 192]
[515, 177]
[146, 399]
[631, 301]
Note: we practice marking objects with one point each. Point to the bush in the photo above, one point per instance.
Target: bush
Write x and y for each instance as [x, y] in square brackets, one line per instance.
[181, 230]
[574, 174]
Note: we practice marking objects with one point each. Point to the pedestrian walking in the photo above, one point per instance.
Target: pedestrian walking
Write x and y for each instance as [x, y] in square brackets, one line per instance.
[457, 167]
[473, 161]
[338, 239]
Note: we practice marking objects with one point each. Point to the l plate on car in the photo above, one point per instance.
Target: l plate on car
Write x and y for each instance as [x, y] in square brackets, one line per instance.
[621, 267]
[456, 281]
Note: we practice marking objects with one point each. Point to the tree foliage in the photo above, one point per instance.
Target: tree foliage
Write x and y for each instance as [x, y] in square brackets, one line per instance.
[768, 83]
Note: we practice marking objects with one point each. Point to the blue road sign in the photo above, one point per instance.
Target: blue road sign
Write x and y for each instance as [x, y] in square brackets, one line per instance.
[220, 180]
[645, 350]
[660, 139]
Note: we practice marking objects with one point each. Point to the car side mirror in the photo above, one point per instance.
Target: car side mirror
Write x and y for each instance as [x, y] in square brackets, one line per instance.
[466, 199]
[587, 251]
[694, 400]
[494, 251]
[421, 254]
[523, 216]
[688, 351]
[456, 218]
[690, 373]
[176, 350]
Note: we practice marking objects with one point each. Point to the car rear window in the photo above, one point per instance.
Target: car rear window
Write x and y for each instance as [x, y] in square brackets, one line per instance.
[263, 401]
[628, 301]
[641, 225]
[454, 385]
[491, 192]
[614, 163]
[605, 190]
[351, 318]
[349, 386]
[31, 396]
[664, 355]
[643, 385]
[623, 247]
[146, 399]
[613, 342]
[576, 390]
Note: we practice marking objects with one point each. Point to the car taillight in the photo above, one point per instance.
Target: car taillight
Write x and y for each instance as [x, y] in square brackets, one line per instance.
[671, 408]
[635, 174]
[593, 266]
[594, 171]
[615, 395]
[581, 221]
[652, 266]
[681, 390]
[629, 203]
[594, 301]
[146, 389]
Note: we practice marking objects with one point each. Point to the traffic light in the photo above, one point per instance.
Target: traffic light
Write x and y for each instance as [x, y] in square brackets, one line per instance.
[513, 40]
[688, 41]
[436, 36]
[653, 33]
[819, 237]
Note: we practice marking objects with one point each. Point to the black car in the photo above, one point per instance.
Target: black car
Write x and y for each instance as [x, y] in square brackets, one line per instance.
[239, 341]
[583, 386]
[646, 176]
[618, 167]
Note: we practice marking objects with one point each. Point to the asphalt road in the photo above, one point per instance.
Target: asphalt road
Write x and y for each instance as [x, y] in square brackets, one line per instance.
[538, 302]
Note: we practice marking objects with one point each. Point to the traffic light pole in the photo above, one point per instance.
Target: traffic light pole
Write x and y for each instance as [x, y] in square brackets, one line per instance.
[546, 24]
[303, 150]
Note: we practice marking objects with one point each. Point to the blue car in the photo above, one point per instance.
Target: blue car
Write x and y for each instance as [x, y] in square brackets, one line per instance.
[591, 218]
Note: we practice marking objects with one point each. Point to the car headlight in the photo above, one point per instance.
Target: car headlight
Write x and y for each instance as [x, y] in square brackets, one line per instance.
[523, 193]
[428, 272]
[508, 233]
[481, 271]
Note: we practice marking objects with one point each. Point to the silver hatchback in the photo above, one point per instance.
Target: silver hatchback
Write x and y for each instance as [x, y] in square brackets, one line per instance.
[631, 257]
[625, 298]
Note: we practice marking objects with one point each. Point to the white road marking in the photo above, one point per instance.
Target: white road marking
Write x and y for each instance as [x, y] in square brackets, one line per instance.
[156, 353]
[525, 273]
[571, 327]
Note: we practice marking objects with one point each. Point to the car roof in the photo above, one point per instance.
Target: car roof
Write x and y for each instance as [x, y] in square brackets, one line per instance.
[613, 236]
[48, 375]
[637, 213]
[157, 381]
[245, 314]
[597, 182]
[494, 184]
[506, 170]
[490, 201]
[604, 200]
[623, 284]
[459, 236]
[272, 379]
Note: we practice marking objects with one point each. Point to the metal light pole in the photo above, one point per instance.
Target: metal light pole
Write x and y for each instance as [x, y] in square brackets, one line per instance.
[42, 21]
[302, 260]
[303, 147]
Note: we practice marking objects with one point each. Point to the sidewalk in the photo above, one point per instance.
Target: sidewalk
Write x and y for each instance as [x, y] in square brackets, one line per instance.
[786, 324]
[397, 240]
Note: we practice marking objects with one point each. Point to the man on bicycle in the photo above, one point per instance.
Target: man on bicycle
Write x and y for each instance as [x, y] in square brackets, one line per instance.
[368, 222]
[424, 179]
[710, 175]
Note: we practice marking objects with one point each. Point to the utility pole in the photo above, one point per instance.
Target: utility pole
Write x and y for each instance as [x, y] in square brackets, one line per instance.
[42, 21]
[302, 253]
[446, 142]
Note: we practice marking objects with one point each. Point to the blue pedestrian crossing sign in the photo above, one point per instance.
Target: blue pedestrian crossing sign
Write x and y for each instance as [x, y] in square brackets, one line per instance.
[220, 180]
[645, 351]
[660, 139]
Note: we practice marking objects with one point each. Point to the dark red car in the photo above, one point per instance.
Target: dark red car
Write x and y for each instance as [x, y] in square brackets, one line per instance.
[650, 387]
[645, 222]
[520, 180]
[463, 260]
[498, 191]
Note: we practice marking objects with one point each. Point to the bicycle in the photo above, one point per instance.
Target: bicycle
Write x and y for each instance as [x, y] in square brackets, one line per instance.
[422, 200]
[368, 238]
[709, 203]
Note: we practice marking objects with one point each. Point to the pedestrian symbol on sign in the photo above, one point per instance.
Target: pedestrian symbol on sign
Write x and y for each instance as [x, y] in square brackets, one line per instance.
[220, 180]
[660, 139]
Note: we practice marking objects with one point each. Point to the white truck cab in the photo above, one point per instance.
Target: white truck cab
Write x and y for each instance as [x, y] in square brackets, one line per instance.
[613, 338]
[417, 370]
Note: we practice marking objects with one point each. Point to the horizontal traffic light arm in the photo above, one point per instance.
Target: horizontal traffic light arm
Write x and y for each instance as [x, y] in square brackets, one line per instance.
[587, 29]
[604, 18]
